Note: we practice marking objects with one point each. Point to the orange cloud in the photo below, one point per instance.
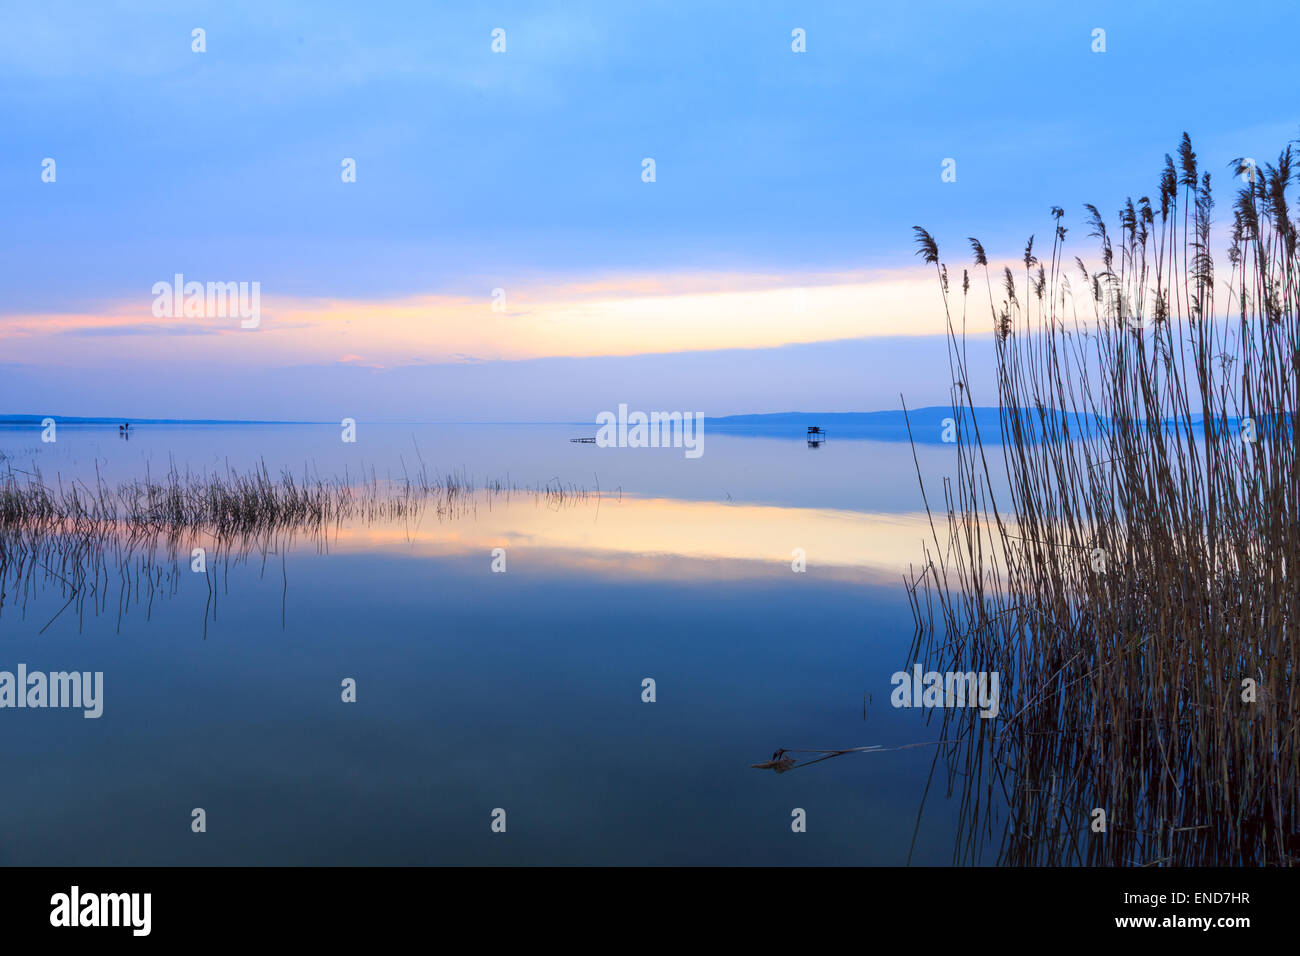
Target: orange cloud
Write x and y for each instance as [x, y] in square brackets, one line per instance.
[610, 315]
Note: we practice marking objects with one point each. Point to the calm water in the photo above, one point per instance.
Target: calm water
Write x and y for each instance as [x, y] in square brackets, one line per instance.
[479, 690]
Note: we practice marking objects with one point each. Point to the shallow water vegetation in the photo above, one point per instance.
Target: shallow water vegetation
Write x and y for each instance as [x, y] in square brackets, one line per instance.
[1136, 590]
[251, 502]
[131, 541]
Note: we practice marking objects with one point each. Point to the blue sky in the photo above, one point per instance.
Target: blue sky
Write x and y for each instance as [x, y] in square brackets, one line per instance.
[521, 170]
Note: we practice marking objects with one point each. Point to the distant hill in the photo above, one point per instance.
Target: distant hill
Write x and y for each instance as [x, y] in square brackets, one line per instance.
[927, 424]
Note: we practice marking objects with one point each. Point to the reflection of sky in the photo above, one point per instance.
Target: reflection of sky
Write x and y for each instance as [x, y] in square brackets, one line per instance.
[841, 475]
[649, 536]
[780, 219]
[741, 510]
[475, 690]
[479, 690]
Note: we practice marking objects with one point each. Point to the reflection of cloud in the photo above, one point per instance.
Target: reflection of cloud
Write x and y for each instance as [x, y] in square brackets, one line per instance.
[662, 537]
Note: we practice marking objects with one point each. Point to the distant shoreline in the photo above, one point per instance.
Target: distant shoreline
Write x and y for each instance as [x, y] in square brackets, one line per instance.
[887, 416]
[81, 420]
[930, 424]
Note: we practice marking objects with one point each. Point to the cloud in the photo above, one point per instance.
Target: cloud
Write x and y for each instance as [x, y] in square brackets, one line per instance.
[358, 361]
[142, 329]
[603, 315]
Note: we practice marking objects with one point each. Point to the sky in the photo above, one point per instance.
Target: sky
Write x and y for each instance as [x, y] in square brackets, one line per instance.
[500, 255]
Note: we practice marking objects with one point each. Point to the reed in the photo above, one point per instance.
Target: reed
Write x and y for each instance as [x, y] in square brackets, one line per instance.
[131, 542]
[237, 503]
[1136, 572]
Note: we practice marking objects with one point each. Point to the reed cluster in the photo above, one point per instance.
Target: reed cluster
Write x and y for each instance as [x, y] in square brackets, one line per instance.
[244, 503]
[1127, 560]
[131, 543]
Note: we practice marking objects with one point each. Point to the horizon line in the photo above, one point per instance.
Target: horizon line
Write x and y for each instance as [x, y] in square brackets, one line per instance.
[23, 419]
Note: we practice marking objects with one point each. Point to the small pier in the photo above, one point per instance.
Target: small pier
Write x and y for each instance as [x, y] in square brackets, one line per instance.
[816, 435]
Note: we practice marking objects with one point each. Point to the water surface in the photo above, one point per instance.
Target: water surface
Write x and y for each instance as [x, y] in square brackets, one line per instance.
[479, 690]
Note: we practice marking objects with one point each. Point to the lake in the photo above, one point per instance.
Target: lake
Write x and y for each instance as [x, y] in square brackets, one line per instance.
[476, 689]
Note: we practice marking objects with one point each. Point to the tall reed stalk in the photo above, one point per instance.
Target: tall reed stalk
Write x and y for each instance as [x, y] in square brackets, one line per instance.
[1139, 574]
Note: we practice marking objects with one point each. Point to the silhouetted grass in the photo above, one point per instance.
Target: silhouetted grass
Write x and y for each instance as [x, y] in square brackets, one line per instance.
[130, 541]
[236, 503]
[1123, 688]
